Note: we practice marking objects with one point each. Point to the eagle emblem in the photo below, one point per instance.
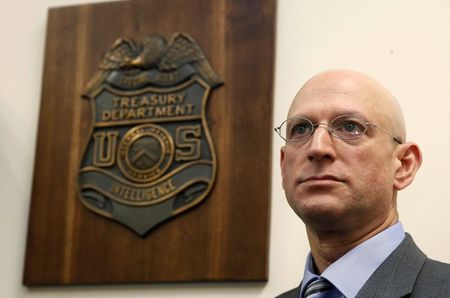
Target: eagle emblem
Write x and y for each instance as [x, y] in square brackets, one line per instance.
[149, 156]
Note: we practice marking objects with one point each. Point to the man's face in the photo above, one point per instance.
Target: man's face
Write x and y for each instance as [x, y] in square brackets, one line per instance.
[332, 183]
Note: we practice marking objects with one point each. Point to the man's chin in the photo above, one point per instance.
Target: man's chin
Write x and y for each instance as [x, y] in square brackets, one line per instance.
[323, 213]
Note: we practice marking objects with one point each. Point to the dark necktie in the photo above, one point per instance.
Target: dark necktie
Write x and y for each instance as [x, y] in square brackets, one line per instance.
[317, 288]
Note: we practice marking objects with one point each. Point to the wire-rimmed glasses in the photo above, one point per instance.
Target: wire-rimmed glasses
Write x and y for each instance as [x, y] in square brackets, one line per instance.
[344, 127]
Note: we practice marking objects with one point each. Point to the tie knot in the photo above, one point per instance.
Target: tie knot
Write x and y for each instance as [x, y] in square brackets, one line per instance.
[317, 286]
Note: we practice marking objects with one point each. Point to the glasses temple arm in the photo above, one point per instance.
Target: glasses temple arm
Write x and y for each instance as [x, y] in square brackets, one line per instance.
[394, 138]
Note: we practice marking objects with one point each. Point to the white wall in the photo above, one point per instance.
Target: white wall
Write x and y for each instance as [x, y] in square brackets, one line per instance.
[403, 43]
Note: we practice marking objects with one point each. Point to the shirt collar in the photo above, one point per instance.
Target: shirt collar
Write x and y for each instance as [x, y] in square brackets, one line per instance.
[350, 272]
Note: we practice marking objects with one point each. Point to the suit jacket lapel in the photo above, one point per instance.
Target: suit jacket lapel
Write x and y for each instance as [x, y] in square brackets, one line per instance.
[398, 273]
[294, 293]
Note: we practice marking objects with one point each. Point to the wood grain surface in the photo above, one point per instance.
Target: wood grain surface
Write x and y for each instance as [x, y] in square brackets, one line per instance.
[226, 237]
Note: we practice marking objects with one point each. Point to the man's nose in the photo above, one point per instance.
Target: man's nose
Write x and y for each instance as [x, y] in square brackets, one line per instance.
[321, 144]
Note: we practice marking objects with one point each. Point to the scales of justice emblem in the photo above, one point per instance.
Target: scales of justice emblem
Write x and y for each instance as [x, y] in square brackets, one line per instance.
[149, 156]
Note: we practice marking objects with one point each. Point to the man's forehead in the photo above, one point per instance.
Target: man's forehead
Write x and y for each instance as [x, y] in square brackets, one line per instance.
[333, 91]
[330, 103]
[341, 82]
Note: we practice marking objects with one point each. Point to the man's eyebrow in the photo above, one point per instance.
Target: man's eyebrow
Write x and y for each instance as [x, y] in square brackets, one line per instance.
[349, 112]
[334, 114]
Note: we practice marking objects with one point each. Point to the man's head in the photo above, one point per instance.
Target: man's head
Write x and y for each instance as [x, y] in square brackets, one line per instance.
[347, 184]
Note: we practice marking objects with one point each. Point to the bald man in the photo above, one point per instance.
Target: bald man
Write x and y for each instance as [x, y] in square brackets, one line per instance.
[344, 160]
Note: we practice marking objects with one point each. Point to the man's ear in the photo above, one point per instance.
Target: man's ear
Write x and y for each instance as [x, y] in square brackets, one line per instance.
[282, 156]
[282, 161]
[409, 159]
[282, 153]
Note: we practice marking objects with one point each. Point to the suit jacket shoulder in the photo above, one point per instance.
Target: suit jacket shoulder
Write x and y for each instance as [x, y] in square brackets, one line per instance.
[408, 272]
[433, 280]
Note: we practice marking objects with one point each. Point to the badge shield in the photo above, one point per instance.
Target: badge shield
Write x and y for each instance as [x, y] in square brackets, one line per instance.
[149, 156]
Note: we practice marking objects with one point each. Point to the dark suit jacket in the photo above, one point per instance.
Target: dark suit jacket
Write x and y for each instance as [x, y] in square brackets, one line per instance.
[407, 272]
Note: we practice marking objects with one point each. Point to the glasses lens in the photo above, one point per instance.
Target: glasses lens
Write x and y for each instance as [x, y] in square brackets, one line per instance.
[348, 127]
[296, 129]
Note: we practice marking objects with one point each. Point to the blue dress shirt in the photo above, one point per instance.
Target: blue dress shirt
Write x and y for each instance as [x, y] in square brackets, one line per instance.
[350, 272]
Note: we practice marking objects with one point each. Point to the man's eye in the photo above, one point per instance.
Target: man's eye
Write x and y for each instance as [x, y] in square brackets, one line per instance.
[301, 129]
[349, 126]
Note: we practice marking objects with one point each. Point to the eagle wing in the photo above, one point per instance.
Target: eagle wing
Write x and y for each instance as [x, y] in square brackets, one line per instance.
[122, 51]
[183, 50]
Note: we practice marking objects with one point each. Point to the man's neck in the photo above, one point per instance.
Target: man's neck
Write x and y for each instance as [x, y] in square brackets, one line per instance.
[327, 247]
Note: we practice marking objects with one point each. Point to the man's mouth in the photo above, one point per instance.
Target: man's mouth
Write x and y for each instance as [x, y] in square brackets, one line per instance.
[320, 179]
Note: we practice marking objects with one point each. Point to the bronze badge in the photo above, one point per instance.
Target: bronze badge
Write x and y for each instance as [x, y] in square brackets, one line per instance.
[149, 156]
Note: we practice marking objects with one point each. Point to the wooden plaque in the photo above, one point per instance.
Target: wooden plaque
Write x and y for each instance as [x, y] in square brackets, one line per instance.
[223, 238]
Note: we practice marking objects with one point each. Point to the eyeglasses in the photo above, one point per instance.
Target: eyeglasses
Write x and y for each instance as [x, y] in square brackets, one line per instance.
[344, 127]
